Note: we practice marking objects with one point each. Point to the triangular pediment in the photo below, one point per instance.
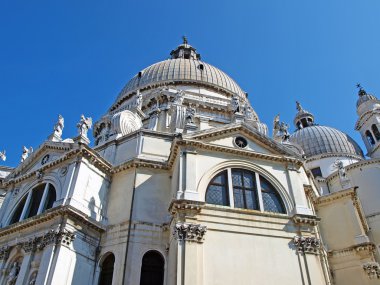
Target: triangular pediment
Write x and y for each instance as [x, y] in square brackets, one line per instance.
[227, 136]
[45, 153]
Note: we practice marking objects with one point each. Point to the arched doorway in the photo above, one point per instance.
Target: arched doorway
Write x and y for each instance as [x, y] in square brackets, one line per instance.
[106, 272]
[152, 269]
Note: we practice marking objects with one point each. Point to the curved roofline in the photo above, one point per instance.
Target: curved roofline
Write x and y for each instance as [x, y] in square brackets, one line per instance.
[134, 84]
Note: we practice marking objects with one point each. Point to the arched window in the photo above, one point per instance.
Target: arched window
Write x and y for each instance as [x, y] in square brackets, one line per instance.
[217, 190]
[106, 272]
[152, 269]
[37, 201]
[248, 189]
[376, 132]
[370, 138]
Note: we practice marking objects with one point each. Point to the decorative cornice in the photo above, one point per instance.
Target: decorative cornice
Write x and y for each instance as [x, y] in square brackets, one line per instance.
[365, 249]
[185, 206]
[265, 141]
[50, 214]
[362, 120]
[308, 220]
[337, 154]
[372, 269]
[138, 163]
[307, 244]
[82, 150]
[189, 232]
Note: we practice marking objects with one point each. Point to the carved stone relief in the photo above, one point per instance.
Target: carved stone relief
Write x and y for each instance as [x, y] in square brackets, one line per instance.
[372, 269]
[307, 244]
[189, 232]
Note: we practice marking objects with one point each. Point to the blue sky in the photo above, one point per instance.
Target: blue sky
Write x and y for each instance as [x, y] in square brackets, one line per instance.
[73, 57]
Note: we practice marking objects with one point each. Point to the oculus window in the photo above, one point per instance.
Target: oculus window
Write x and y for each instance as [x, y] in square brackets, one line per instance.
[241, 188]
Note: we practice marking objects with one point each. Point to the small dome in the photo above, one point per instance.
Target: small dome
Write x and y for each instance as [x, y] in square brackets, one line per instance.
[316, 140]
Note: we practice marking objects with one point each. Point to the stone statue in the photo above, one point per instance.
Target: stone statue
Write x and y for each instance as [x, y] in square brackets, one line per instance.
[235, 104]
[33, 279]
[3, 156]
[343, 178]
[58, 127]
[138, 99]
[84, 125]
[25, 153]
[13, 273]
[189, 115]
[179, 97]
[248, 111]
[280, 129]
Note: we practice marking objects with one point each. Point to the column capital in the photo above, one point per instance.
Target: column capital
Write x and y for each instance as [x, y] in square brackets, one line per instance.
[189, 232]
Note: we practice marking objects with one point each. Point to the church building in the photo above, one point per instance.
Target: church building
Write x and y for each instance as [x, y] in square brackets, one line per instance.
[184, 185]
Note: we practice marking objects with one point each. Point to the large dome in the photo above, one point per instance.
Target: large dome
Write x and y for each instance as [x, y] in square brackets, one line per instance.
[180, 70]
[316, 140]
[183, 68]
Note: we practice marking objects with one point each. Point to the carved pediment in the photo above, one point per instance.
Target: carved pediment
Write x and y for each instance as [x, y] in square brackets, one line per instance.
[46, 153]
[244, 137]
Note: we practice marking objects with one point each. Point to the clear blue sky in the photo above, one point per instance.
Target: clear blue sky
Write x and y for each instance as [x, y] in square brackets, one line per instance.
[73, 57]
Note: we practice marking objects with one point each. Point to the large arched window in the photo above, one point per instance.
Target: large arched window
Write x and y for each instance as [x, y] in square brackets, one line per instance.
[106, 272]
[370, 138]
[152, 269]
[241, 188]
[376, 132]
[37, 201]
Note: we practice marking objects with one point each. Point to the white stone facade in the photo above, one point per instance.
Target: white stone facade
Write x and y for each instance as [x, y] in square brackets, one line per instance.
[184, 186]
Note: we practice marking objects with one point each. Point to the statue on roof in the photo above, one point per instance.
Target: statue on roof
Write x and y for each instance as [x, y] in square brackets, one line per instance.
[190, 115]
[25, 153]
[179, 97]
[3, 156]
[84, 125]
[280, 130]
[184, 38]
[58, 127]
[138, 99]
[235, 104]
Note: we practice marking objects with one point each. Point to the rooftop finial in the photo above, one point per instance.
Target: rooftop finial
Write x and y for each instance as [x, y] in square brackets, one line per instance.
[184, 38]
[299, 107]
[361, 91]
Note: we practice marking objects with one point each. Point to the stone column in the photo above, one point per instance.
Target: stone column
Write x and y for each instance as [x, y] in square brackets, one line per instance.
[45, 265]
[189, 253]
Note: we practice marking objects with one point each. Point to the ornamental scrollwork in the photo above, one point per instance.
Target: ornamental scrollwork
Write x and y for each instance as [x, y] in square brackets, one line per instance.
[307, 244]
[4, 252]
[189, 232]
[372, 269]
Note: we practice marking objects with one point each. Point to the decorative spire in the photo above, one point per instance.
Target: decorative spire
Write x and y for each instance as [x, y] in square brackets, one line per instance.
[184, 38]
[361, 91]
[299, 107]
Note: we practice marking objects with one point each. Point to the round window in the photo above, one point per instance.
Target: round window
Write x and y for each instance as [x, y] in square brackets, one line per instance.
[240, 142]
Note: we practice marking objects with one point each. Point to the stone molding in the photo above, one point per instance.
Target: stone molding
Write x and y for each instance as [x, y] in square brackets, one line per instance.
[50, 214]
[308, 220]
[56, 237]
[189, 232]
[82, 150]
[372, 269]
[307, 244]
[363, 249]
[183, 206]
